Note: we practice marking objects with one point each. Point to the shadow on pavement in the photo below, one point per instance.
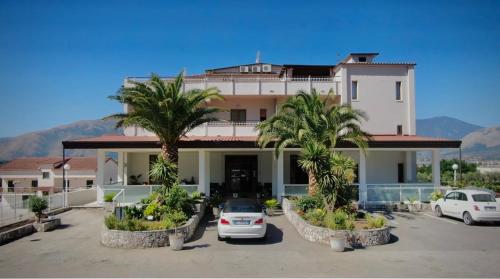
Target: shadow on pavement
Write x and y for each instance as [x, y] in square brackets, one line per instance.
[274, 235]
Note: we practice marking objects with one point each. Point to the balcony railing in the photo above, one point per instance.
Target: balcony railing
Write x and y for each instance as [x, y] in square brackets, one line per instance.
[259, 85]
[226, 128]
[130, 194]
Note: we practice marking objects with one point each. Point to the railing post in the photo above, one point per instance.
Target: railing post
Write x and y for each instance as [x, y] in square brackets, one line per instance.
[400, 193]
[419, 194]
[286, 85]
[150, 189]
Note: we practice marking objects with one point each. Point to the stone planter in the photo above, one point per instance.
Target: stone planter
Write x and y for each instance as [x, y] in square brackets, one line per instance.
[108, 207]
[361, 238]
[216, 211]
[402, 207]
[337, 243]
[47, 225]
[433, 206]
[270, 211]
[414, 207]
[176, 240]
[150, 239]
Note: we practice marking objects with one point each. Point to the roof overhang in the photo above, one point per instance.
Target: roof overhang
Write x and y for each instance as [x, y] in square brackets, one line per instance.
[377, 141]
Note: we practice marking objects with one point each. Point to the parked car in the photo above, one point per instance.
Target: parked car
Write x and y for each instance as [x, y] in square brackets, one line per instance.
[242, 218]
[469, 205]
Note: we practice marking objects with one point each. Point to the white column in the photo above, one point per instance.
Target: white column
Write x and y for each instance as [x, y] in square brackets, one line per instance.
[410, 166]
[436, 168]
[280, 187]
[204, 172]
[363, 189]
[119, 177]
[100, 175]
[274, 176]
[125, 168]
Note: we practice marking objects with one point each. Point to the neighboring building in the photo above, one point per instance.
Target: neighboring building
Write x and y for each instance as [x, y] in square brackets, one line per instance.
[45, 174]
[225, 154]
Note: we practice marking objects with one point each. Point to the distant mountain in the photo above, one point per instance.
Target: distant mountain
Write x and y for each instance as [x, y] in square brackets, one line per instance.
[483, 144]
[48, 142]
[445, 127]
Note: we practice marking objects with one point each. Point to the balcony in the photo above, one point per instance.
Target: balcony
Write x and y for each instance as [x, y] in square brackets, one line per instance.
[226, 128]
[272, 86]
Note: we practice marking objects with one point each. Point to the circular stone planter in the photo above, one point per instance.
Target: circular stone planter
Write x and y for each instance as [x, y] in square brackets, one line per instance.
[138, 239]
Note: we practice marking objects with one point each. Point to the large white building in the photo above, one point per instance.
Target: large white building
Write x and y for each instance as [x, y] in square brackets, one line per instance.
[224, 155]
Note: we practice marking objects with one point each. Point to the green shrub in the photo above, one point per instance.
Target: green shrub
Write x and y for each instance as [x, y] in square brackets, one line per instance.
[307, 203]
[164, 224]
[149, 199]
[178, 199]
[375, 222]
[127, 224]
[37, 205]
[339, 220]
[215, 200]
[178, 218]
[109, 197]
[196, 197]
[315, 216]
[436, 195]
[152, 210]
[272, 203]
[111, 222]
[136, 212]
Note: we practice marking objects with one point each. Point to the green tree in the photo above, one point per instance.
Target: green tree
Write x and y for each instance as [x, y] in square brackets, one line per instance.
[306, 119]
[164, 109]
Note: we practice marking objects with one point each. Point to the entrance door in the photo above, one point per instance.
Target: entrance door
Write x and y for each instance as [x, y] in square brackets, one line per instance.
[241, 174]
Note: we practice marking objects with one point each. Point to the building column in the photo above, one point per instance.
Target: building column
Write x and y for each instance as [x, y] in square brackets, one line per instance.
[410, 165]
[436, 168]
[204, 172]
[363, 188]
[120, 178]
[100, 175]
[280, 187]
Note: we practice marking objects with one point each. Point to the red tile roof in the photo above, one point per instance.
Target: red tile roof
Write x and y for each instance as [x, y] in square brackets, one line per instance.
[34, 163]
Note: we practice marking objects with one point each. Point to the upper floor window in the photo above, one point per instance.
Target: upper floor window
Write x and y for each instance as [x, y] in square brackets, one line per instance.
[34, 183]
[399, 97]
[263, 114]
[354, 91]
[45, 175]
[362, 59]
[238, 115]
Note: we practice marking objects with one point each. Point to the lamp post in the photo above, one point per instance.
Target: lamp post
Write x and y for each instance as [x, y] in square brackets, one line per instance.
[455, 168]
[66, 168]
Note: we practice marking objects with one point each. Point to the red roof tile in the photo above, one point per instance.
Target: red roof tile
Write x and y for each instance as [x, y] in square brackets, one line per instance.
[34, 163]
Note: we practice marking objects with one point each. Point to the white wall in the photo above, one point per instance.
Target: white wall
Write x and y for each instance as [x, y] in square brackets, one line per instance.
[110, 171]
[382, 166]
[188, 166]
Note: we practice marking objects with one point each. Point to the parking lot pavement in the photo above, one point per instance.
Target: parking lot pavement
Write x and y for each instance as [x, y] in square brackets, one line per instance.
[421, 246]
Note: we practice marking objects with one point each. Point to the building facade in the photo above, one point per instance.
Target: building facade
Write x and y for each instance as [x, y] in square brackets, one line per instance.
[224, 156]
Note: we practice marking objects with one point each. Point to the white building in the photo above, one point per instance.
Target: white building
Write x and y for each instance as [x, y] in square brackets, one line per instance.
[45, 174]
[225, 156]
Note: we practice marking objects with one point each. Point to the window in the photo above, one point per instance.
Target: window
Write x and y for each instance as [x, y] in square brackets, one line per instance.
[297, 174]
[10, 185]
[462, 196]
[452, 196]
[362, 59]
[263, 114]
[238, 115]
[401, 173]
[89, 183]
[354, 91]
[398, 91]
[45, 175]
[400, 130]
[483, 198]
[34, 183]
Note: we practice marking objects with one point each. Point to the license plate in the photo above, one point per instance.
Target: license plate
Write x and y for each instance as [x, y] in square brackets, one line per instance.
[241, 222]
[490, 208]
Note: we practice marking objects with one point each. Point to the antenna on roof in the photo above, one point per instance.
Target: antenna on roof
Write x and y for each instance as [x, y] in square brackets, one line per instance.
[257, 59]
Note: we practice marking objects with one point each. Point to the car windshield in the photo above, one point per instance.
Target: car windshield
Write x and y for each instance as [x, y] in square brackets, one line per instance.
[483, 198]
[235, 206]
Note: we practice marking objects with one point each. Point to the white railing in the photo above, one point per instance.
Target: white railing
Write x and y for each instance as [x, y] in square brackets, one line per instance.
[400, 192]
[259, 85]
[131, 194]
[296, 189]
[226, 128]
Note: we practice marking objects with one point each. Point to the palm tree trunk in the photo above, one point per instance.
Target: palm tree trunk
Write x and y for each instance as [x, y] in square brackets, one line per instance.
[170, 152]
[313, 184]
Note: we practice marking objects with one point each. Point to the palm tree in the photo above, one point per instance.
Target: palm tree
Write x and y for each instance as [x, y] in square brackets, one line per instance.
[164, 109]
[315, 124]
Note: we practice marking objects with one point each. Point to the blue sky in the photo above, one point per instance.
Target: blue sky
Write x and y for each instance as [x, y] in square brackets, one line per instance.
[59, 60]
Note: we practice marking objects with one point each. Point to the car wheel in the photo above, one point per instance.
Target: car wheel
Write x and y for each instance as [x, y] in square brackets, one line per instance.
[438, 211]
[219, 238]
[468, 219]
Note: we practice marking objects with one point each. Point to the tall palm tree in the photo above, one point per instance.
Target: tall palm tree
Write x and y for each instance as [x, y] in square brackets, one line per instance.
[164, 109]
[313, 122]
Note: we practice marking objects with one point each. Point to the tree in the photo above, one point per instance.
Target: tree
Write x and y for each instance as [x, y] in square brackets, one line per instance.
[164, 109]
[37, 205]
[308, 119]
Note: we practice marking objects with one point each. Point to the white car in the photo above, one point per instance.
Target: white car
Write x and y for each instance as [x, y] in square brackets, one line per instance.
[469, 205]
[242, 218]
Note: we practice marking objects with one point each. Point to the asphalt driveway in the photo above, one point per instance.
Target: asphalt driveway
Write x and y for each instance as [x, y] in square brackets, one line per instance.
[422, 246]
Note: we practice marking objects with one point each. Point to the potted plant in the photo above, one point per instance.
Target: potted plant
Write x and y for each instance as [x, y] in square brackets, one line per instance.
[37, 205]
[337, 243]
[402, 206]
[108, 202]
[215, 202]
[436, 195]
[413, 204]
[176, 236]
[271, 205]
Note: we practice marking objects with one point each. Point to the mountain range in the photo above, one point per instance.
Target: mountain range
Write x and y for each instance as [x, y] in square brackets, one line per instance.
[478, 143]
